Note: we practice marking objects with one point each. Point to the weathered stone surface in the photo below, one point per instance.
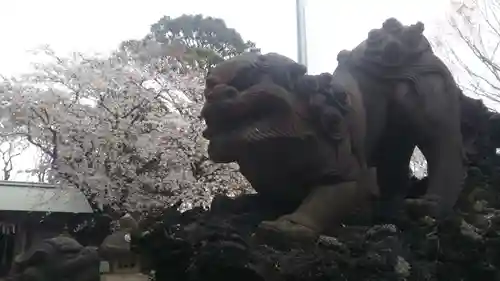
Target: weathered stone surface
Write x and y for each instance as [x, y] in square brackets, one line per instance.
[57, 259]
[202, 245]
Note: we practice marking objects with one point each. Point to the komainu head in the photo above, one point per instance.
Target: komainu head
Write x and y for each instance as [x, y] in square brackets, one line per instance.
[396, 44]
[276, 122]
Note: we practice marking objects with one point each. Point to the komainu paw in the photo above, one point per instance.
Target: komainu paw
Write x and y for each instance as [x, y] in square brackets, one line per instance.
[283, 233]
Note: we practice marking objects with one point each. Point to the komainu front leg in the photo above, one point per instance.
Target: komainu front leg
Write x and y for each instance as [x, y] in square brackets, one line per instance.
[324, 208]
[446, 174]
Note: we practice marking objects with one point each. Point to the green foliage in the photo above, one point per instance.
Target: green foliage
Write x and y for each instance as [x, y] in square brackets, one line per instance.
[204, 40]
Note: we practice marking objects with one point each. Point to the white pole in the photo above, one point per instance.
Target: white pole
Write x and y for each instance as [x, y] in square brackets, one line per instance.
[301, 32]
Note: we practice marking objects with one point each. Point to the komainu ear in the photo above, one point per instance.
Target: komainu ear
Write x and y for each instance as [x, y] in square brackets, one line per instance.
[412, 36]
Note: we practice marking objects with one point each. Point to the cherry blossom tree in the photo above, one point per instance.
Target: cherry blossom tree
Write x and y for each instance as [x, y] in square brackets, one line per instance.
[469, 43]
[123, 129]
[10, 148]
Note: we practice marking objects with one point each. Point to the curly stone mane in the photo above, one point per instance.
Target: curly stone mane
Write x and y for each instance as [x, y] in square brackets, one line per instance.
[327, 103]
[396, 52]
[396, 45]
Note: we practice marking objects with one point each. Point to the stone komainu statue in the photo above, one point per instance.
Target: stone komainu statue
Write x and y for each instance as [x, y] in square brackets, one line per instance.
[57, 259]
[297, 138]
[325, 143]
[116, 246]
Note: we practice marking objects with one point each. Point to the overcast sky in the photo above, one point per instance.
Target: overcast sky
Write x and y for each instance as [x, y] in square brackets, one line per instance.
[100, 25]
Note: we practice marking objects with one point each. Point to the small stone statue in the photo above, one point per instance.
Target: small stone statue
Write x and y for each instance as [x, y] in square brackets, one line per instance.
[116, 247]
[57, 259]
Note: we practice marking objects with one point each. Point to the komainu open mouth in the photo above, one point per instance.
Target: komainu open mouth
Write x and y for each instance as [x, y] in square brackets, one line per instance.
[261, 111]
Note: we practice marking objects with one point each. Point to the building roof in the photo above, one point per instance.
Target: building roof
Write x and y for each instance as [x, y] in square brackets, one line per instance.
[41, 197]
